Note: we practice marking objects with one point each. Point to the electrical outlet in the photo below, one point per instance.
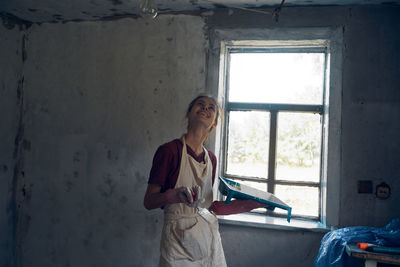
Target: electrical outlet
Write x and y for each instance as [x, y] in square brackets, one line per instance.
[364, 187]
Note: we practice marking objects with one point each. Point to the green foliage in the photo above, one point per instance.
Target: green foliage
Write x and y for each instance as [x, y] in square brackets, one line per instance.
[299, 138]
[248, 137]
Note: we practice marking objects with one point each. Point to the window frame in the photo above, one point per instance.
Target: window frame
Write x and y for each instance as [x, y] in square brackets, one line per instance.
[221, 39]
[274, 109]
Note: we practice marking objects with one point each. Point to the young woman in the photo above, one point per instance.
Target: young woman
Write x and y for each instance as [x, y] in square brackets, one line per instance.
[181, 181]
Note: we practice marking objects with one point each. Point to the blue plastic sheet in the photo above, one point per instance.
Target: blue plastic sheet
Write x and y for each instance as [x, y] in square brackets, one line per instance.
[332, 250]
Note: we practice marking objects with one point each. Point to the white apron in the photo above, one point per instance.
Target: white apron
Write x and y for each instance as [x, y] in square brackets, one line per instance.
[187, 238]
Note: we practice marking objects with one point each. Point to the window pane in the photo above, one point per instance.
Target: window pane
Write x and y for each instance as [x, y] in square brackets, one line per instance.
[303, 199]
[292, 78]
[298, 147]
[248, 138]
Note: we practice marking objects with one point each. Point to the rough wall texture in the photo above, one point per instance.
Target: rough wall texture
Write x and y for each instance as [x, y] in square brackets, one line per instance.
[259, 247]
[11, 131]
[371, 114]
[89, 102]
[370, 126]
[99, 98]
[370, 82]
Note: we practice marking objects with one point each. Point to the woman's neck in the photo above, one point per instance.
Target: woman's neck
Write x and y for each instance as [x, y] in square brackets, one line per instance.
[195, 139]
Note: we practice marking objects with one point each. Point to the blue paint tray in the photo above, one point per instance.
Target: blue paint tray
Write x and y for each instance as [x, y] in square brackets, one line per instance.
[232, 189]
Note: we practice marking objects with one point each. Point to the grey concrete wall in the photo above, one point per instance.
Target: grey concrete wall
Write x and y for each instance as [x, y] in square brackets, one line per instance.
[371, 114]
[11, 108]
[370, 127]
[246, 246]
[370, 82]
[99, 97]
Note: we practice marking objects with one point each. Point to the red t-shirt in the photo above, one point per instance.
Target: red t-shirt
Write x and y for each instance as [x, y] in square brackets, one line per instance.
[167, 161]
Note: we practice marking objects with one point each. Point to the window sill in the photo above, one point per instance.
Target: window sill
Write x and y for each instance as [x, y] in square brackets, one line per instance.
[261, 221]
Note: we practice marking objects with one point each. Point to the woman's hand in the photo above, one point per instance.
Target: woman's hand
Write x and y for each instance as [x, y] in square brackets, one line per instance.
[197, 197]
[190, 196]
[179, 195]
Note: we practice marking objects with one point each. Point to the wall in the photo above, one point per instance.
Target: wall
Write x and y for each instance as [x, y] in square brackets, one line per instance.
[11, 103]
[370, 125]
[371, 110]
[371, 115]
[99, 97]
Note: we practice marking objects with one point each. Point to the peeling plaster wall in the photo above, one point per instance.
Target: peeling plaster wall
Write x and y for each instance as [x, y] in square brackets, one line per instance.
[11, 105]
[99, 97]
[371, 115]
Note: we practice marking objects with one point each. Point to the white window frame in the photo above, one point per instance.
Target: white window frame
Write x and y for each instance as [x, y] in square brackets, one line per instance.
[221, 40]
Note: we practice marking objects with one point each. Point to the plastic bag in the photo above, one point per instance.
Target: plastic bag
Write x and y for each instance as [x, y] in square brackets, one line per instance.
[332, 250]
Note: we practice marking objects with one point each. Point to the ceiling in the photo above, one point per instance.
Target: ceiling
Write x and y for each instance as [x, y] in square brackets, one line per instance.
[70, 10]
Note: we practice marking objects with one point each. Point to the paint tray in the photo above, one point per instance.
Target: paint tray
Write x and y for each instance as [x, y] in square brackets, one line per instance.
[232, 189]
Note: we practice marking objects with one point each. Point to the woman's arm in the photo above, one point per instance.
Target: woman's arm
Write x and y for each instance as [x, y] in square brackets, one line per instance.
[235, 206]
[154, 199]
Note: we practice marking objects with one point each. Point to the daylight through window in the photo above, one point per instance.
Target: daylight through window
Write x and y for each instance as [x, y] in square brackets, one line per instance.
[274, 107]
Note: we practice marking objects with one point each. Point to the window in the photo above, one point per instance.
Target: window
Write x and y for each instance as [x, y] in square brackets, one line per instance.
[280, 120]
[274, 118]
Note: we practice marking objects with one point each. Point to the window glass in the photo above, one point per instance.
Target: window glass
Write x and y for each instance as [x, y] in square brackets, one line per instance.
[298, 147]
[280, 143]
[292, 78]
[248, 139]
[304, 200]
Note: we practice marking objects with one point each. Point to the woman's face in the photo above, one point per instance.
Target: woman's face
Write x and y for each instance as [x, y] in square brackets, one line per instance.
[204, 111]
